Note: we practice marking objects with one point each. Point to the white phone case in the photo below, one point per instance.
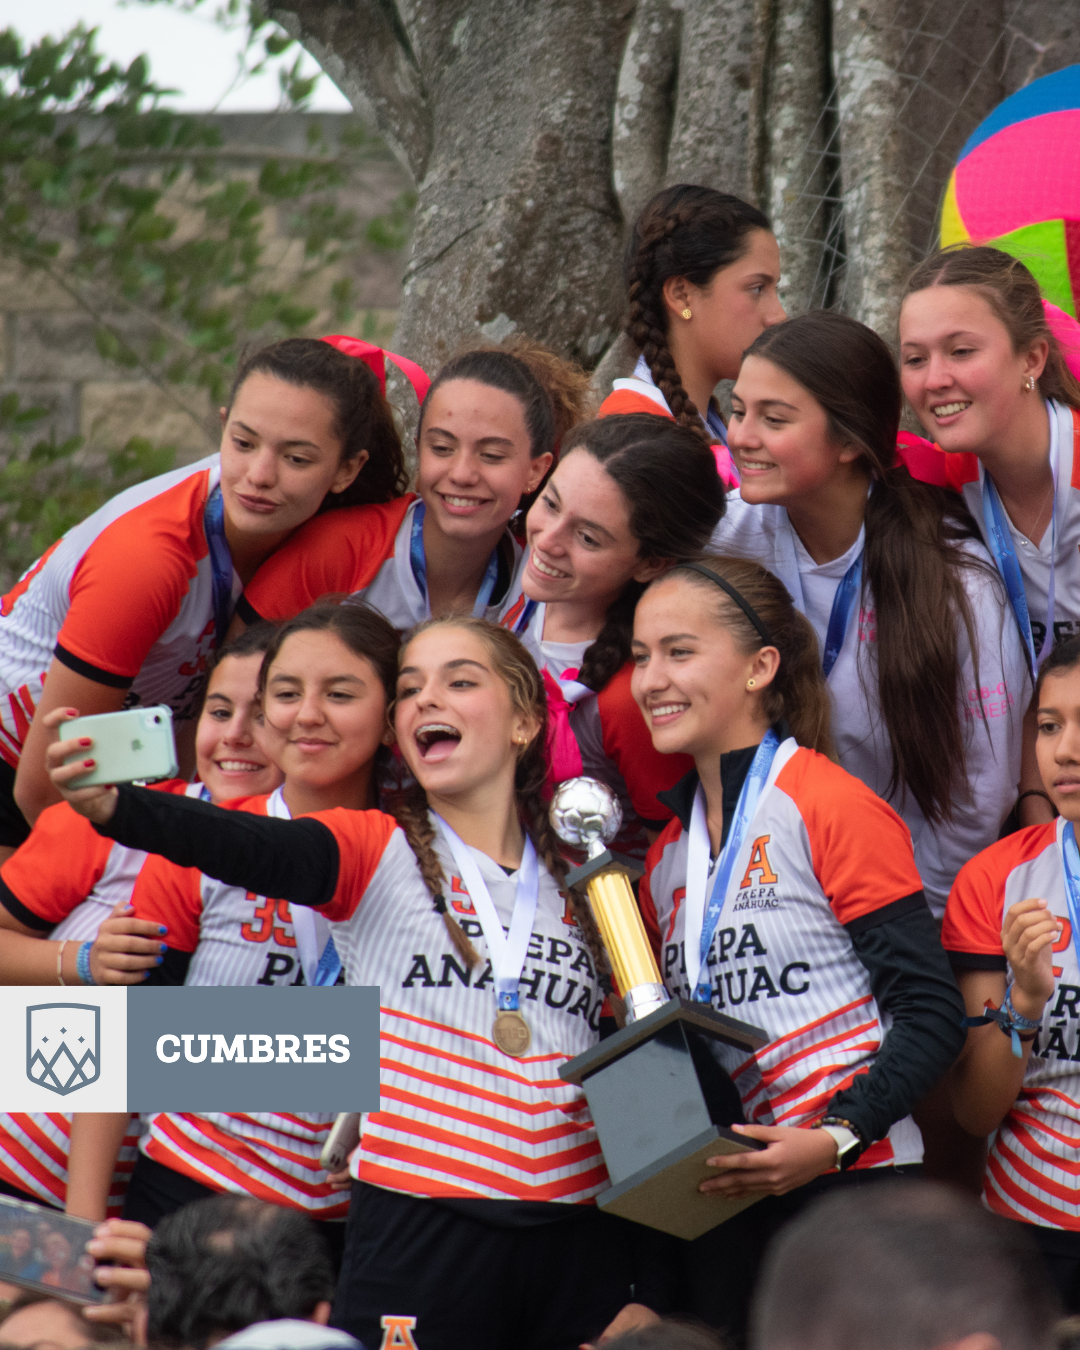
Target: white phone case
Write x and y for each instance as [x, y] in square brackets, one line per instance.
[135, 746]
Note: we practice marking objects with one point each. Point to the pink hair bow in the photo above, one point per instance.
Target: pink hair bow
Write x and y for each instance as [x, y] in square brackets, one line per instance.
[563, 754]
[375, 358]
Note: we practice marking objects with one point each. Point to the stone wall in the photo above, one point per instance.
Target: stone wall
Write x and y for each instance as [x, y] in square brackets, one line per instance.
[47, 349]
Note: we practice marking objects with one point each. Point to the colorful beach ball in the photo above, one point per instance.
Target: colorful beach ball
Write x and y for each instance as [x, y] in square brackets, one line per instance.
[1016, 185]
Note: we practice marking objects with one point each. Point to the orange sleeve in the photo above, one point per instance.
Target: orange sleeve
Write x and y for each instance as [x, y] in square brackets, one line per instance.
[975, 910]
[861, 849]
[55, 869]
[628, 744]
[338, 552]
[171, 896]
[362, 838]
[129, 585]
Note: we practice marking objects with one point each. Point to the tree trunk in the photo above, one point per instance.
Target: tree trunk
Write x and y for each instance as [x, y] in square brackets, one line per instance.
[517, 224]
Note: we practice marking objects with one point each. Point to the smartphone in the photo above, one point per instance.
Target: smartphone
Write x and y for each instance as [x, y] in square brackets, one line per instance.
[343, 1138]
[45, 1250]
[136, 746]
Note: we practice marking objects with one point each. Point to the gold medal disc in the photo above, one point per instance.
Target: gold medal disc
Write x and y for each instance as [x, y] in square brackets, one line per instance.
[511, 1033]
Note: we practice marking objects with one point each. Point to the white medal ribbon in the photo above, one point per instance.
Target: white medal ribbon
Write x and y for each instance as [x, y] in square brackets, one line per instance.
[310, 929]
[507, 953]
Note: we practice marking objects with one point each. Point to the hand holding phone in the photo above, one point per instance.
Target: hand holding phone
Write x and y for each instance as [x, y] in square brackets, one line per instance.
[136, 746]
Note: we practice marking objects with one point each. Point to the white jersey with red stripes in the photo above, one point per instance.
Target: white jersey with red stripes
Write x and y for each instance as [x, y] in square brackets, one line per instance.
[1033, 1168]
[238, 938]
[34, 1148]
[459, 1117]
[124, 598]
[820, 852]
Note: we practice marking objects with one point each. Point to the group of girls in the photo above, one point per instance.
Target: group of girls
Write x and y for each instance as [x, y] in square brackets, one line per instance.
[808, 693]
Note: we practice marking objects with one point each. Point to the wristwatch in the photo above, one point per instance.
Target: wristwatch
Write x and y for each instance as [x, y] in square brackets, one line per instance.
[848, 1144]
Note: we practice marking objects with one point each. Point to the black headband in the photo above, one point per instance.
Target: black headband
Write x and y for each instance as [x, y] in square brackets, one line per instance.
[744, 604]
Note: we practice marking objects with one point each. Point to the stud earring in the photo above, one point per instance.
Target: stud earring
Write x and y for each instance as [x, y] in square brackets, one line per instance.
[751, 683]
[1028, 386]
[686, 313]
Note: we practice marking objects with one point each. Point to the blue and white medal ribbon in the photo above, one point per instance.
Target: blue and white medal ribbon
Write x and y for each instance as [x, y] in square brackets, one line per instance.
[1000, 542]
[507, 952]
[699, 917]
[221, 564]
[840, 614]
[418, 561]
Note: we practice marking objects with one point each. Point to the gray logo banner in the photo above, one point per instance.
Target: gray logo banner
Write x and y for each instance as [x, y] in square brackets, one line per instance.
[193, 1048]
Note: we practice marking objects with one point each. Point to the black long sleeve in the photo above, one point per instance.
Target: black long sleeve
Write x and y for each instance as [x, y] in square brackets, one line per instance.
[294, 860]
[912, 982]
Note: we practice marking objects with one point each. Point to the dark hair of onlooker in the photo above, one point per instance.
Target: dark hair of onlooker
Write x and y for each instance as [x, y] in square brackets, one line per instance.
[675, 499]
[363, 418]
[902, 1266]
[912, 566]
[220, 1264]
[684, 231]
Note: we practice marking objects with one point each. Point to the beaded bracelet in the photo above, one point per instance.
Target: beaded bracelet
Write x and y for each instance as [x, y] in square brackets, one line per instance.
[1009, 1021]
[82, 964]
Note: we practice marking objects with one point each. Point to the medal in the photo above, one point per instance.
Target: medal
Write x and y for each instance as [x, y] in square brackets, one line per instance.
[511, 1033]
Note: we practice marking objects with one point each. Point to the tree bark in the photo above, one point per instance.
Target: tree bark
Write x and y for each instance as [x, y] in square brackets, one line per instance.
[517, 225]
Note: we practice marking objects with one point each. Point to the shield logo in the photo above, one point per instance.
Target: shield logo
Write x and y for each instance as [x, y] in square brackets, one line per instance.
[62, 1046]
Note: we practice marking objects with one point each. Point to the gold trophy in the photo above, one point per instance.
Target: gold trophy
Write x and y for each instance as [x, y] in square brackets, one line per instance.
[660, 1098]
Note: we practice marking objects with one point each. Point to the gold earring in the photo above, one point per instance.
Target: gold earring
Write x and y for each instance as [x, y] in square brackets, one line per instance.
[751, 683]
[1028, 387]
[686, 312]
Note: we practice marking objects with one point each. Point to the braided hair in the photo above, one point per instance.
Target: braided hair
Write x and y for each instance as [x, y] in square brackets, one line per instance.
[516, 668]
[684, 231]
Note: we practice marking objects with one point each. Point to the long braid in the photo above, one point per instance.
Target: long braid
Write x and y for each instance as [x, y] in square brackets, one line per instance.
[410, 810]
[684, 231]
[647, 327]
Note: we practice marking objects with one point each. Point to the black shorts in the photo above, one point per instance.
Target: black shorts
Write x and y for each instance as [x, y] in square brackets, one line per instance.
[156, 1191]
[13, 827]
[418, 1271]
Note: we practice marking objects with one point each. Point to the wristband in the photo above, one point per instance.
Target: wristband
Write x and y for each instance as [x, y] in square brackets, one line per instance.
[82, 963]
[1009, 1021]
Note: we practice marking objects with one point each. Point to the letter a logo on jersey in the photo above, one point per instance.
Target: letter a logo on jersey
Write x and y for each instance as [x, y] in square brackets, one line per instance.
[759, 863]
[398, 1333]
[62, 1046]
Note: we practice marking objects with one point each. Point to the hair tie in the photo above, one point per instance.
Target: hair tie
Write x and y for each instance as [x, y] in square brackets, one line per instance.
[375, 359]
[726, 586]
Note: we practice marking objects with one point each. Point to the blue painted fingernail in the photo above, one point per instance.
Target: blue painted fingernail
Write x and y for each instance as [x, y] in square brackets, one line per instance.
[164, 947]
[162, 928]
[160, 959]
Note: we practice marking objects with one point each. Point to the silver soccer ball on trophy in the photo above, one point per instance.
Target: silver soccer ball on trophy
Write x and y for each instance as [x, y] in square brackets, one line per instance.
[586, 814]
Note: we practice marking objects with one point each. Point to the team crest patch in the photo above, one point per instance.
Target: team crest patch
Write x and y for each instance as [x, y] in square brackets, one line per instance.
[63, 1046]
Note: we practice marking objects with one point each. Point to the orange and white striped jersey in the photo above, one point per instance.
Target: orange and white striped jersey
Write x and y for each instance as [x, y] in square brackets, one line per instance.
[124, 598]
[66, 878]
[63, 882]
[238, 938]
[821, 853]
[458, 1116]
[1033, 1169]
[361, 551]
[34, 1148]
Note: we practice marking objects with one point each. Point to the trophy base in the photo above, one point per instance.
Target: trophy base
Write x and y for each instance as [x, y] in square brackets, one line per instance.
[662, 1104]
[665, 1196]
